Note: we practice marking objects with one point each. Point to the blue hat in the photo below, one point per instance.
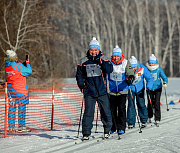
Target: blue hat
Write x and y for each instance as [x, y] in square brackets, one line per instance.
[11, 53]
[133, 61]
[94, 44]
[152, 59]
[117, 51]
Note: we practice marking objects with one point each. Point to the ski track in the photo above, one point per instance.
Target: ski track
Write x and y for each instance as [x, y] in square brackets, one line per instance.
[69, 147]
[125, 136]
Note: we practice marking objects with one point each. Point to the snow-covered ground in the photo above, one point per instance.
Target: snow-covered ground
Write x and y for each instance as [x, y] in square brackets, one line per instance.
[163, 139]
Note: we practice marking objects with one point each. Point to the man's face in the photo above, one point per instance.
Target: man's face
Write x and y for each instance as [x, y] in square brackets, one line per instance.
[151, 64]
[116, 58]
[94, 51]
[134, 68]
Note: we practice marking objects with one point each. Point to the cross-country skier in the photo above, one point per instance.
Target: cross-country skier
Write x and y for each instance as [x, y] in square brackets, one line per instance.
[155, 92]
[117, 84]
[18, 96]
[137, 88]
[91, 79]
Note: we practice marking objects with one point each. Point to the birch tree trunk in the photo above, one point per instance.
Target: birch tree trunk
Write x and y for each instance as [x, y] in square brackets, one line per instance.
[148, 26]
[140, 21]
[171, 25]
[157, 28]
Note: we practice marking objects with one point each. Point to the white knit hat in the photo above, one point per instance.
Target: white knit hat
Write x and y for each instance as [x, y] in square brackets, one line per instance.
[94, 44]
[152, 59]
[117, 51]
[11, 53]
[133, 61]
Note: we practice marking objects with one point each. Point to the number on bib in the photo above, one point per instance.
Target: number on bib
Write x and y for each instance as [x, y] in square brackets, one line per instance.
[93, 70]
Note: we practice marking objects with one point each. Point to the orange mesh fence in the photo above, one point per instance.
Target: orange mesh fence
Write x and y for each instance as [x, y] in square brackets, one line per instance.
[51, 107]
[2, 110]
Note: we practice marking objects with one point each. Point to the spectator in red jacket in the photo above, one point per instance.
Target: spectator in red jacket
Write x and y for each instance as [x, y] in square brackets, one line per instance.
[18, 96]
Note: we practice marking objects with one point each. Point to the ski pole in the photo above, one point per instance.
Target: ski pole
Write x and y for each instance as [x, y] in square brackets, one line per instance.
[96, 121]
[80, 117]
[135, 110]
[150, 102]
[166, 99]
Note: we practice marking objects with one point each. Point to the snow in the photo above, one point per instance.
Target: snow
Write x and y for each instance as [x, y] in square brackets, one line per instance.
[154, 139]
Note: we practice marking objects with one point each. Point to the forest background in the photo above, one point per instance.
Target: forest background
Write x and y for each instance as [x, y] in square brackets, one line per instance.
[56, 33]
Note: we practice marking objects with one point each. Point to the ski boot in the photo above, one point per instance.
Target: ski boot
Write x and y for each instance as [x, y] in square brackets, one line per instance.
[106, 134]
[23, 129]
[120, 132]
[150, 120]
[130, 126]
[157, 123]
[12, 130]
[143, 125]
[85, 137]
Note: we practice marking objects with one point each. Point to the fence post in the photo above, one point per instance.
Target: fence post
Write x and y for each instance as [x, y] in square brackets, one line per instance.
[5, 118]
[52, 113]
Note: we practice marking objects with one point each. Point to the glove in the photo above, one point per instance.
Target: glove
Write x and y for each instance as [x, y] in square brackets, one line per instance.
[82, 87]
[148, 91]
[98, 60]
[130, 79]
[164, 84]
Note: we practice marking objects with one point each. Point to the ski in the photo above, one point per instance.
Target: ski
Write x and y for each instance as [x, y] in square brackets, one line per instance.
[97, 139]
[80, 140]
[102, 138]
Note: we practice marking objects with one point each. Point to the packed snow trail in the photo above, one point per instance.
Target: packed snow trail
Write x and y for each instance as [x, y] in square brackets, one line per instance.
[64, 141]
[165, 138]
[93, 142]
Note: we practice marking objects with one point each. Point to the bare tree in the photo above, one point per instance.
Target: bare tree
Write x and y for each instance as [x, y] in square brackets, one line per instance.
[157, 30]
[168, 48]
[24, 27]
[139, 5]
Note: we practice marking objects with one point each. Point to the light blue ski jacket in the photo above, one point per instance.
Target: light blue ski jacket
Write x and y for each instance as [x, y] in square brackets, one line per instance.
[158, 75]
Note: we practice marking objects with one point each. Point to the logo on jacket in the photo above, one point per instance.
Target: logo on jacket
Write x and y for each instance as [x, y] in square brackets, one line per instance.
[10, 73]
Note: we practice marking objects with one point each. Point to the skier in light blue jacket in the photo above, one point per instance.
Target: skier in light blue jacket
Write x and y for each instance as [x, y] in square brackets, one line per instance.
[137, 87]
[155, 92]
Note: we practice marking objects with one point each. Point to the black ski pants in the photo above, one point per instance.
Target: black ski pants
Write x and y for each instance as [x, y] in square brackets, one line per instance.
[88, 117]
[155, 105]
[118, 110]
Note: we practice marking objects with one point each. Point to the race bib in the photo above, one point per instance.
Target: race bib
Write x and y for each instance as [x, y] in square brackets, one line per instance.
[154, 75]
[137, 79]
[93, 70]
[116, 76]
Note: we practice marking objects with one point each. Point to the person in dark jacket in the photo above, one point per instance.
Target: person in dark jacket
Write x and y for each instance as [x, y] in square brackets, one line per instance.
[91, 79]
[117, 85]
[155, 93]
[18, 96]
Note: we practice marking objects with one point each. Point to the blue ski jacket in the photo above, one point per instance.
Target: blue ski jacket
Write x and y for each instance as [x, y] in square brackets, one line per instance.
[140, 74]
[92, 75]
[157, 74]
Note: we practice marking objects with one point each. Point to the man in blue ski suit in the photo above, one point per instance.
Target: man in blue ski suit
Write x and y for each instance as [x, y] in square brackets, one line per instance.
[91, 79]
[137, 88]
[16, 74]
[155, 92]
